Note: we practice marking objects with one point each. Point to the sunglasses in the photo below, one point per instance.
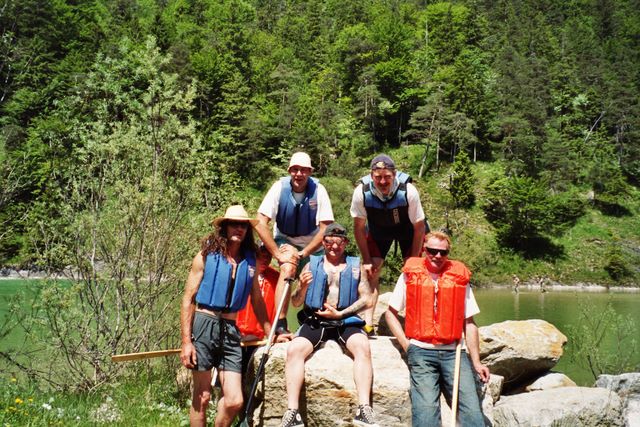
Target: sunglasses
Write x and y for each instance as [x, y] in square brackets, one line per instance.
[335, 241]
[434, 251]
[242, 224]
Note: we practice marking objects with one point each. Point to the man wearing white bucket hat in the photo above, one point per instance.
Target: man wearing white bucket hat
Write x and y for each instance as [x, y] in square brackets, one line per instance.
[301, 209]
[222, 276]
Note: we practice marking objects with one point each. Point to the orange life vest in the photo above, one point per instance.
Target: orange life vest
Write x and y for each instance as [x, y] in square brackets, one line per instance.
[435, 317]
[246, 319]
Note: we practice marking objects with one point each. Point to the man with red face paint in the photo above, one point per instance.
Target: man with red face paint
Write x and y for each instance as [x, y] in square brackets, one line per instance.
[439, 306]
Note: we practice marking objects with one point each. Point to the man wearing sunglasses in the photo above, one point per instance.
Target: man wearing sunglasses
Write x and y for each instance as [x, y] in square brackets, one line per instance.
[333, 289]
[439, 306]
[385, 208]
[301, 208]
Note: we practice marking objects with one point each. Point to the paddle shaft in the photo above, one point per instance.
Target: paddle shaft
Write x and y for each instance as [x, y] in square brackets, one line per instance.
[265, 355]
[160, 353]
[456, 384]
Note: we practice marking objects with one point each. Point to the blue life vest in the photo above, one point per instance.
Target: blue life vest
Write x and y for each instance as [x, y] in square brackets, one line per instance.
[297, 219]
[218, 291]
[388, 220]
[349, 280]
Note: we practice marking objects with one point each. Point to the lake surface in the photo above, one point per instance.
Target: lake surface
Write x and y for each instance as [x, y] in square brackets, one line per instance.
[560, 308]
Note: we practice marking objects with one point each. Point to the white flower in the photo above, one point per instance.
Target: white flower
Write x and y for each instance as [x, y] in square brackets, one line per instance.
[46, 406]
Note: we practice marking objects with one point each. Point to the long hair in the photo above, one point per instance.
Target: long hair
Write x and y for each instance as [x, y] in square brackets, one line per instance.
[217, 241]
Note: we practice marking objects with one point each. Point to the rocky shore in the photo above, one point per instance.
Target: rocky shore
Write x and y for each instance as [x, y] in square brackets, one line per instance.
[523, 390]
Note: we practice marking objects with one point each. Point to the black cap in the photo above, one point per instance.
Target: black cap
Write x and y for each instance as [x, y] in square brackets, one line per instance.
[382, 161]
[335, 229]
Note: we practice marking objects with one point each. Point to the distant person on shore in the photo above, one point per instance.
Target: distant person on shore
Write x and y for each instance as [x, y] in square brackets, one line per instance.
[301, 208]
[516, 284]
[385, 208]
[334, 289]
[433, 290]
[221, 278]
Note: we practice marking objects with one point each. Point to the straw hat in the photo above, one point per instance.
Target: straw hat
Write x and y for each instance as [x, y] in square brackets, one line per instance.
[300, 159]
[234, 213]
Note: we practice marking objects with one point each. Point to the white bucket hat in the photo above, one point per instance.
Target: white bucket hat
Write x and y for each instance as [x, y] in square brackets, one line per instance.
[234, 213]
[300, 159]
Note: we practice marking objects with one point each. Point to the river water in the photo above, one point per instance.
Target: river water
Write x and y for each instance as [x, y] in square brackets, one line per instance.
[562, 309]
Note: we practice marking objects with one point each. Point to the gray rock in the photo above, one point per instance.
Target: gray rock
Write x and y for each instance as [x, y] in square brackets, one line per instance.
[565, 406]
[329, 396]
[550, 380]
[628, 388]
[520, 350]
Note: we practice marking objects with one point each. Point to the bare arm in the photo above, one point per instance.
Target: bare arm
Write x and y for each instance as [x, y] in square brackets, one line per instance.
[316, 242]
[393, 322]
[360, 233]
[262, 228]
[304, 281]
[473, 348]
[418, 238]
[363, 302]
[187, 310]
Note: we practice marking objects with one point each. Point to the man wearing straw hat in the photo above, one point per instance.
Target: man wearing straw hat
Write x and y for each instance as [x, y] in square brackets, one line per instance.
[439, 305]
[222, 276]
[301, 208]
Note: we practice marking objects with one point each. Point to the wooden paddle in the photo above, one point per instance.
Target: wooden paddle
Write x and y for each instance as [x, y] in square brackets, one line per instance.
[160, 353]
[456, 383]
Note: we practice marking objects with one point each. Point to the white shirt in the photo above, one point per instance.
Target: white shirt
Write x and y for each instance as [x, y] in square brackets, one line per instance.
[413, 198]
[269, 208]
[398, 302]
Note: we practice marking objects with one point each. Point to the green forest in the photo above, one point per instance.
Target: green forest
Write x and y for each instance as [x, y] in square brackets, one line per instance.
[130, 122]
[126, 126]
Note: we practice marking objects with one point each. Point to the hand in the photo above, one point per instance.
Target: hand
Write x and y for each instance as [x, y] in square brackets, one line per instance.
[483, 372]
[329, 312]
[284, 337]
[288, 253]
[188, 356]
[305, 279]
[368, 268]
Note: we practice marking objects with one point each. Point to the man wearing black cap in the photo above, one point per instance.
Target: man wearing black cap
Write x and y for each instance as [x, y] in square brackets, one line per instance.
[333, 289]
[385, 208]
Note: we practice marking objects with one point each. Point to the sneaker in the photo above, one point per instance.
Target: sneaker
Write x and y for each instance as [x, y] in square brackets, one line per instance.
[292, 418]
[365, 417]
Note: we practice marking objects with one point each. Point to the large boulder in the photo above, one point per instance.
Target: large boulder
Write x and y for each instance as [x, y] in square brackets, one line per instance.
[628, 388]
[566, 406]
[520, 350]
[328, 397]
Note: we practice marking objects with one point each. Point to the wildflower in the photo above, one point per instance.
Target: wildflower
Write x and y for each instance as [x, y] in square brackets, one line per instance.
[30, 400]
[46, 406]
[19, 401]
[13, 379]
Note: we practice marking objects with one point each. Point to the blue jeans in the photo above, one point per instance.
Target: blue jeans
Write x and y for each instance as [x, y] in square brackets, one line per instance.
[432, 371]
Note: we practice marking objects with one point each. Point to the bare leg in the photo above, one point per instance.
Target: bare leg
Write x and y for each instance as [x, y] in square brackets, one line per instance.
[358, 345]
[200, 399]
[230, 403]
[287, 270]
[374, 284]
[297, 352]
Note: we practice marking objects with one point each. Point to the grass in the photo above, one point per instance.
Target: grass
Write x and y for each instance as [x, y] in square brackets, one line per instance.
[144, 400]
